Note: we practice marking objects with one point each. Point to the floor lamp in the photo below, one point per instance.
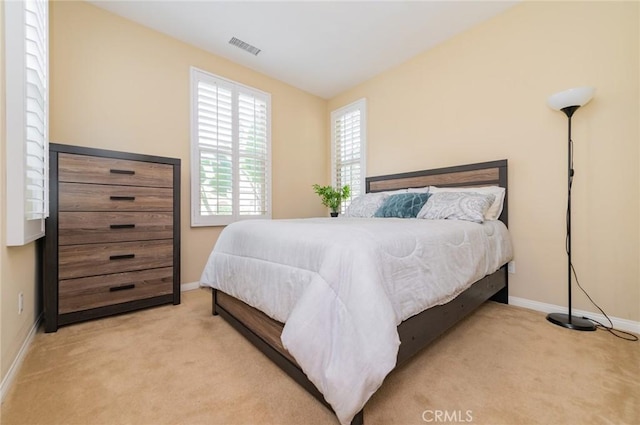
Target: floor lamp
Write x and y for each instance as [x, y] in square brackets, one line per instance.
[569, 101]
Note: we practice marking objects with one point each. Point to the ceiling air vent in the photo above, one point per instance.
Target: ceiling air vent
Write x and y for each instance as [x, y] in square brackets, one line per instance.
[244, 46]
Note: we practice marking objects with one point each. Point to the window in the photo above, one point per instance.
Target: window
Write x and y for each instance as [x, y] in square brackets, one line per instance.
[230, 151]
[27, 119]
[348, 136]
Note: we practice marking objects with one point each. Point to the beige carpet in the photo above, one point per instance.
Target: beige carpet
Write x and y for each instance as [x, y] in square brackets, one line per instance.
[180, 365]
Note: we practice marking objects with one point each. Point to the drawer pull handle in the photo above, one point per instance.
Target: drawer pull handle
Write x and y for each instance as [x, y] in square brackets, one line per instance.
[122, 198]
[122, 288]
[121, 257]
[122, 226]
[128, 172]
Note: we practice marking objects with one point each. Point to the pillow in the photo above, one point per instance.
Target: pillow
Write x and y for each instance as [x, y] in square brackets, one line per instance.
[494, 211]
[457, 206]
[395, 191]
[365, 205]
[402, 205]
[424, 189]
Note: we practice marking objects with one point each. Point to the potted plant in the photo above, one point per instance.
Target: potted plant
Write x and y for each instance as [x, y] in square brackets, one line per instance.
[331, 197]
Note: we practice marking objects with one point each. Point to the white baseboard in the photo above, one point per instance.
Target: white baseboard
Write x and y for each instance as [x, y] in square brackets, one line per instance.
[189, 286]
[622, 324]
[5, 386]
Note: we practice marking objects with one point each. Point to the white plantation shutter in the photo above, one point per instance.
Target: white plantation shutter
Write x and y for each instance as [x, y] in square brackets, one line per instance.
[36, 151]
[231, 147]
[26, 37]
[215, 145]
[348, 148]
[252, 155]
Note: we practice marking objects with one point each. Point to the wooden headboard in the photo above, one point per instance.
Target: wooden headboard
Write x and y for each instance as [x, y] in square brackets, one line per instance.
[493, 173]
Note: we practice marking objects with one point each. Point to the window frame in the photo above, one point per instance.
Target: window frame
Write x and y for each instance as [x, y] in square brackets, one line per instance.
[21, 229]
[197, 219]
[361, 105]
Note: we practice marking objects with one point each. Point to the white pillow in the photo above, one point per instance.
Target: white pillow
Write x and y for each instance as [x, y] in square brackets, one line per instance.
[366, 205]
[457, 206]
[394, 192]
[418, 189]
[494, 211]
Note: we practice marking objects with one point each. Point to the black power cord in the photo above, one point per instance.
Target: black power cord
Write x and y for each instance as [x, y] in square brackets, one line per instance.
[613, 331]
[628, 336]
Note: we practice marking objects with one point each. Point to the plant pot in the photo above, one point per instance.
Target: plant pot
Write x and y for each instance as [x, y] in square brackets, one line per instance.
[334, 214]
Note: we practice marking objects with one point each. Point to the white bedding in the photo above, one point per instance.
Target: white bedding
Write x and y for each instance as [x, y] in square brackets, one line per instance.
[341, 286]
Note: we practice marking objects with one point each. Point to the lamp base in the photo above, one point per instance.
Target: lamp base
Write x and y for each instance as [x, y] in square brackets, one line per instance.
[571, 322]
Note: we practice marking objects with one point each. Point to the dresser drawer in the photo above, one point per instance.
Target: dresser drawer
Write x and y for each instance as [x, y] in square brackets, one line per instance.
[98, 291]
[100, 170]
[94, 197]
[99, 227]
[96, 259]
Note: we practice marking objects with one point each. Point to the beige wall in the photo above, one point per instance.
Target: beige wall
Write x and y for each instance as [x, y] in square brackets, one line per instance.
[118, 85]
[482, 96]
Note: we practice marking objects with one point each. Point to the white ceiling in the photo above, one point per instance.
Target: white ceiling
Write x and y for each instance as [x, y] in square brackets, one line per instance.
[321, 47]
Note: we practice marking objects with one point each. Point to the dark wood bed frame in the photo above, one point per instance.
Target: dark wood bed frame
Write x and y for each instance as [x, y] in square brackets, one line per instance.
[415, 332]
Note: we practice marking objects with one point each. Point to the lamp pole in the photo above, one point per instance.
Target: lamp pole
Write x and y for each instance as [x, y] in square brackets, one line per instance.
[569, 111]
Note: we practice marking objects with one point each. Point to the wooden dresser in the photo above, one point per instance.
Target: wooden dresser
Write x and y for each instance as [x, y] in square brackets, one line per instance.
[112, 240]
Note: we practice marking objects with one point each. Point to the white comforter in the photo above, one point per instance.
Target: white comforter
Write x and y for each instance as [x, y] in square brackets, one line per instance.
[341, 286]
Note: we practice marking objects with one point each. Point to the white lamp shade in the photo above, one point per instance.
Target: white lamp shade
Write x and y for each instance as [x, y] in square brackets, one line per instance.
[578, 96]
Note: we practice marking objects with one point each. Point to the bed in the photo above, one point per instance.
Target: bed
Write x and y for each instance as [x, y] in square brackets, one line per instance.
[329, 341]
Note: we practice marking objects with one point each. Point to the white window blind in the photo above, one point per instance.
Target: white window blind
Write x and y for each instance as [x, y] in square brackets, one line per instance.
[230, 151]
[252, 155]
[348, 148]
[26, 37]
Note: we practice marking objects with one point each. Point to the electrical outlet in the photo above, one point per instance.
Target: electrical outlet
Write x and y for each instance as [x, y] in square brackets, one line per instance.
[20, 302]
[511, 267]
